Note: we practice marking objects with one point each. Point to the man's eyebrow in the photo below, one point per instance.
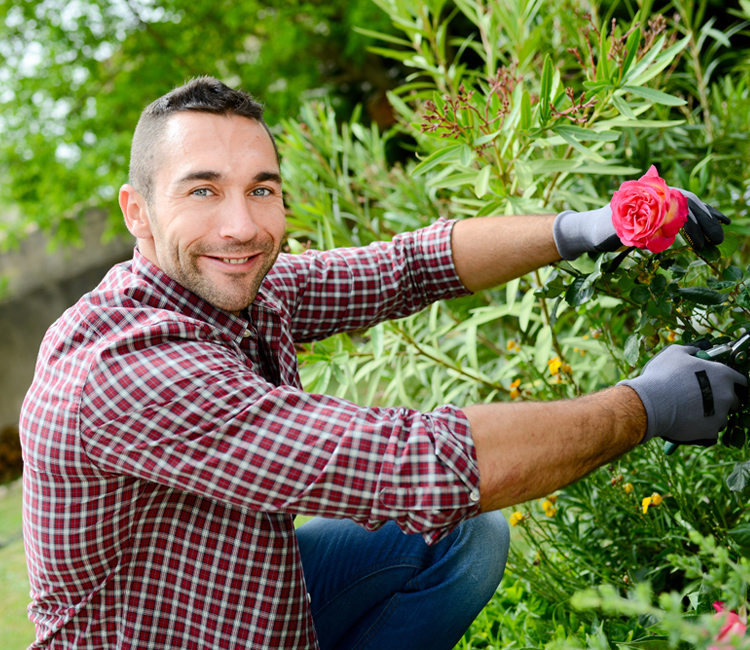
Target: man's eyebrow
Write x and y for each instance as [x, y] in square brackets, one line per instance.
[199, 176]
[260, 177]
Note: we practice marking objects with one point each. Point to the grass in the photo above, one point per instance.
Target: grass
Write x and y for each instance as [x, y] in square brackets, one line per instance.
[17, 632]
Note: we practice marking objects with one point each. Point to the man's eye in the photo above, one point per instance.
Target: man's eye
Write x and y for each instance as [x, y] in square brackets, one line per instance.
[261, 191]
[201, 191]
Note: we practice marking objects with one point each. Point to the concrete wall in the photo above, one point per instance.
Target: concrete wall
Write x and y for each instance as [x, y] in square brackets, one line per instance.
[41, 286]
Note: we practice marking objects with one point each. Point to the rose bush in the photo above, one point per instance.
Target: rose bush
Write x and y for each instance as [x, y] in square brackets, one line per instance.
[647, 213]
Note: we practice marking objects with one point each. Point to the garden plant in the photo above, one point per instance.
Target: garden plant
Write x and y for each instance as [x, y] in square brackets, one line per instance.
[527, 107]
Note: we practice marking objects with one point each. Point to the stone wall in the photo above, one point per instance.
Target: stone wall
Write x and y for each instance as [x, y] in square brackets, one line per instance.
[41, 286]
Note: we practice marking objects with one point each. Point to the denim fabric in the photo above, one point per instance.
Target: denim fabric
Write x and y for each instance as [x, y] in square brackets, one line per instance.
[386, 590]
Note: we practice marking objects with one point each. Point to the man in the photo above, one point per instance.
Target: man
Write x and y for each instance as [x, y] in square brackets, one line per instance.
[169, 445]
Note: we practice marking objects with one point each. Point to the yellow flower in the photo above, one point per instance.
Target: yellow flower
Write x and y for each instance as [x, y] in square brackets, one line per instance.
[566, 368]
[515, 392]
[548, 505]
[654, 500]
[516, 518]
[512, 345]
[554, 365]
[672, 337]
[628, 487]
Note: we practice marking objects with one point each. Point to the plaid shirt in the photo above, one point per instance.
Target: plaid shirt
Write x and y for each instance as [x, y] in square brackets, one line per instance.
[168, 446]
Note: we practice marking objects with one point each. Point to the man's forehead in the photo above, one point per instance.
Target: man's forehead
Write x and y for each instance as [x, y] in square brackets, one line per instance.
[220, 140]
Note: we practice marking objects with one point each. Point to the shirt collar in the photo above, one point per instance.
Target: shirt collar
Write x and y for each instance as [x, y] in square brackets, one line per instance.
[171, 295]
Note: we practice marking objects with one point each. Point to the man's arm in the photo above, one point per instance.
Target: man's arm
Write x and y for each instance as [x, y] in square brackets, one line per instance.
[530, 449]
[489, 251]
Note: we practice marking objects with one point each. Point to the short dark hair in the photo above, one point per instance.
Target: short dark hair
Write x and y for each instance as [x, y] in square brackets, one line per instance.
[203, 95]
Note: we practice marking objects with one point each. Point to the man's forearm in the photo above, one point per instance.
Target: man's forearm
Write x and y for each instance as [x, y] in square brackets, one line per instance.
[530, 449]
[489, 251]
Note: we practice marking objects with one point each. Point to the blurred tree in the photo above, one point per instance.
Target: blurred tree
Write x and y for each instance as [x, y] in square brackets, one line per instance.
[76, 74]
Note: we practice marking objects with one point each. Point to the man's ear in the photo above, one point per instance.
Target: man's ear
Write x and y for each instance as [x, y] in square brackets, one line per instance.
[135, 210]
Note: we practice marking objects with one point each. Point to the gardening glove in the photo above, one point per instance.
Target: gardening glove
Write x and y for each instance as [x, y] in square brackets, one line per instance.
[704, 223]
[592, 231]
[585, 232]
[687, 399]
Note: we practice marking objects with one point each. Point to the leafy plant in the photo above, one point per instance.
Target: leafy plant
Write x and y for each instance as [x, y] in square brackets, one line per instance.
[521, 107]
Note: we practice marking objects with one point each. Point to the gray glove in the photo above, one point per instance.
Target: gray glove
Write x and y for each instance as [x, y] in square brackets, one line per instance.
[592, 231]
[687, 400]
[585, 232]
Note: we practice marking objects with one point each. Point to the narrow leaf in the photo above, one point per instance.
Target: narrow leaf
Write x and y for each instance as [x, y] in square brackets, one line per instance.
[482, 182]
[656, 96]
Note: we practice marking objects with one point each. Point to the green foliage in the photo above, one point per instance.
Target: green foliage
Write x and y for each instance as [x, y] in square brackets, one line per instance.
[75, 77]
[533, 110]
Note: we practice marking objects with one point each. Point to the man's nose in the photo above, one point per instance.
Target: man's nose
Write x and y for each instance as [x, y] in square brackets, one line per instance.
[238, 220]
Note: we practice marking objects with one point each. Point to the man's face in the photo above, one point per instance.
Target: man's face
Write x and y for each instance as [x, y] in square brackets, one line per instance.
[216, 220]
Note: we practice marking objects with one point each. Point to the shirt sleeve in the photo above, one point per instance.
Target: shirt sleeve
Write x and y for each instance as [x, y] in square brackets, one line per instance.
[347, 289]
[188, 414]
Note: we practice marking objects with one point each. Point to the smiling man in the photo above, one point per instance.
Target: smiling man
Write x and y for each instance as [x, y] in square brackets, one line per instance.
[168, 442]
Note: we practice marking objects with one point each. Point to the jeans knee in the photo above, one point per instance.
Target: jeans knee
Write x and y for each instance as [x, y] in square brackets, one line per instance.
[487, 540]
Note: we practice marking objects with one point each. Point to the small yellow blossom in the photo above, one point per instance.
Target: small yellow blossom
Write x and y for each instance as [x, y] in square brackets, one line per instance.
[628, 487]
[548, 505]
[672, 337]
[554, 365]
[516, 518]
[566, 368]
[511, 345]
[654, 500]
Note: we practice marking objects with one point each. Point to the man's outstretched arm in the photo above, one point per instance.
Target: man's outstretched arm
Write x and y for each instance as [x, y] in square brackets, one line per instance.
[490, 251]
[530, 449]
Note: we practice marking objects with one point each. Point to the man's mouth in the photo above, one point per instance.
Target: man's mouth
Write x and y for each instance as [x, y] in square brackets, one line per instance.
[233, 260]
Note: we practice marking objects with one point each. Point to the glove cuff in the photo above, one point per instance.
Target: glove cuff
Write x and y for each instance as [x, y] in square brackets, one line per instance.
[635, 384]
[569, 231]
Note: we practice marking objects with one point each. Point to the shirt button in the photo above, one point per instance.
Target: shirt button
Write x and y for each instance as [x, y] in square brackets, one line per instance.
[474, 496]
[246, 334]
[309, 597]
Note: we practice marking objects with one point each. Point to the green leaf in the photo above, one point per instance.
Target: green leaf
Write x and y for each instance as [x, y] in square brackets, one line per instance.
[631, 46]
[702, 295]
[624, 108]
[741, 535]
[527, 307]
[585, 135]
[482, 182]
[739, 479]
[632, 348]
[525, 111]
[451, 153]
[579, 292]
[656, 96]
[732, 274]
[545, 94]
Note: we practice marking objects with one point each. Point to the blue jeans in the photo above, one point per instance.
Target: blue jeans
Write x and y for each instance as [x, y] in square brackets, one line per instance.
[383, 590]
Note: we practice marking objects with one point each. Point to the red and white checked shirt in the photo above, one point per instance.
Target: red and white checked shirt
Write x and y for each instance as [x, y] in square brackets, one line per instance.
[168, 445]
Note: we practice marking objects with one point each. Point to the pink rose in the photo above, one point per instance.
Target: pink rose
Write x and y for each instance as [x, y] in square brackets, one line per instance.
[732, 628]
[647, 213]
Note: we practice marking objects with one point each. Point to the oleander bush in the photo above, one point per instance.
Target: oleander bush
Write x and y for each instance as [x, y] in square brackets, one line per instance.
[526, 107]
